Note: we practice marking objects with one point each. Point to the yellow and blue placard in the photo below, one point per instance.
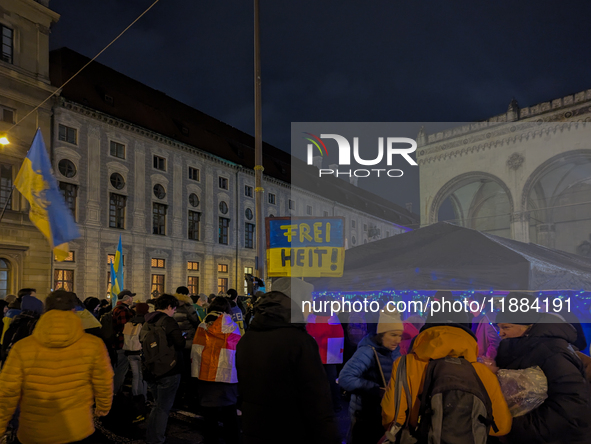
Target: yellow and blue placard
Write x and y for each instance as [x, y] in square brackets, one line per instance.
[305, 247]
[117, 274]
[49, 213]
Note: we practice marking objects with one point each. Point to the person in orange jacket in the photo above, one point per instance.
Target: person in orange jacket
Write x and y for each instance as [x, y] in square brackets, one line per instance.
[56, 375]
[440, 338]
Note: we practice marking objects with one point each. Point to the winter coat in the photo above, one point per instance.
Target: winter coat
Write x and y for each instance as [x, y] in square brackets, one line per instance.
[284, 389]
[328, 333]
[56, 375]
[565, 416]
[20, 327]
[175, 339]
[237, 316]
[362, 378]
[439, 341]
[488, 338]
[7, 319]
[213, 355]
[187, 318]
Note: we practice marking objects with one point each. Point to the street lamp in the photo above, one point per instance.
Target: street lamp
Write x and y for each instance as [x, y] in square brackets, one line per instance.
[4, 139]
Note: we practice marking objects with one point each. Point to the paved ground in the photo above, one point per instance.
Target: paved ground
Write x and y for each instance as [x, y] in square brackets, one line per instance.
[183, 428]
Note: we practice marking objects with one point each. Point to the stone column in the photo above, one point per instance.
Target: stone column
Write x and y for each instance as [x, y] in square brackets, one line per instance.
[94, 217]
[177, 199]
[139, 195]
[209, 271]
[520, 226]
[141, 277]
[93, 207]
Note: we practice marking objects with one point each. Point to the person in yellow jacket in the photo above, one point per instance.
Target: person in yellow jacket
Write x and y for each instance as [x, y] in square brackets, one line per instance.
[439, 339]
[56, 375]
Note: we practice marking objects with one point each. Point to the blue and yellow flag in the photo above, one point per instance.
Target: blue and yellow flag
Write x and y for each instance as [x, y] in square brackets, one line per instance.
[117, 274]
[49, 212]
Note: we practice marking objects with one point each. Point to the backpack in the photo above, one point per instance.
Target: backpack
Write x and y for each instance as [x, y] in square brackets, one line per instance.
[454, 405]
[131, 337]
[159, 357]
[108, 328]
[21, 327]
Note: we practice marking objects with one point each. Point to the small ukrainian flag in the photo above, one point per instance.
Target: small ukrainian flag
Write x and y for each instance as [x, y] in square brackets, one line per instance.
[49, 213]
[117, 274]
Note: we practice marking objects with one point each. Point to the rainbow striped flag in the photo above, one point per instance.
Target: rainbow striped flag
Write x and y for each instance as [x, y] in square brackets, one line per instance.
[49, 212]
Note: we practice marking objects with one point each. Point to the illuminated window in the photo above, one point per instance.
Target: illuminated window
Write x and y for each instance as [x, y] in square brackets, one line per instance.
[157, 287]
[158, 263]
[222, 285]
[193, 284]
[222, 268]
[111, 259]
[63, 279]
[193, 266]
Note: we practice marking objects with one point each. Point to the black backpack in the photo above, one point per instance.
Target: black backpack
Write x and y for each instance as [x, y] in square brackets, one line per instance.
[159, 356]
[455, 407]
[108, 328]
[21, 327]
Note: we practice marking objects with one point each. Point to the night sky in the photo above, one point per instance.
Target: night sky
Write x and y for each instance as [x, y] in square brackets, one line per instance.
[342, 61]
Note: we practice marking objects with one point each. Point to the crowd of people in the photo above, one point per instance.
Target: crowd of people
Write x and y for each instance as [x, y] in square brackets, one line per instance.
[260, 370]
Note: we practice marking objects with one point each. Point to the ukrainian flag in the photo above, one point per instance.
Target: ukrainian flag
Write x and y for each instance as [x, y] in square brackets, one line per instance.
[117, 274]
[49, 212]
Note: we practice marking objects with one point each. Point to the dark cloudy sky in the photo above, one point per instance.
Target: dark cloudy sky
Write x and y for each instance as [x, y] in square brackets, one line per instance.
[342, 60]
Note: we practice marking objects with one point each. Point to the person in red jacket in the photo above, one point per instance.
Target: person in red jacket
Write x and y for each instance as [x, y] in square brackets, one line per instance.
[330, 337]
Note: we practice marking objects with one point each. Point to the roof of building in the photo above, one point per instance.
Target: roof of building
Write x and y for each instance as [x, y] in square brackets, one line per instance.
[110, 92]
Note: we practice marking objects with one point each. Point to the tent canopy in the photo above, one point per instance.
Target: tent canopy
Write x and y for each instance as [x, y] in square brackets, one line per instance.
[446, 256]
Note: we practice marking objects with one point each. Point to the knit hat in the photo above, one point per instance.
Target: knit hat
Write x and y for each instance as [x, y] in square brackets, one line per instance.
[141, 308]
[389, 321]
[31, 303]
[125, 294]
[60, 300]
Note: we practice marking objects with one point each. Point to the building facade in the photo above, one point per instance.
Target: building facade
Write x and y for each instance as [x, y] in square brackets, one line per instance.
[25, 256]
[524, 174]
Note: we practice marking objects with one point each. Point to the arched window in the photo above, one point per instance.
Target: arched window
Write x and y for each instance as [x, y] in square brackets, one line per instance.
[4, 278]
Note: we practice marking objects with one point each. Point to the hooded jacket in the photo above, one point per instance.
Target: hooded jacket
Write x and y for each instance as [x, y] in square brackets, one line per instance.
[285, 393]
[186, 317]
[437, 342]
[361, 375]
[56, 375]
[565, 416]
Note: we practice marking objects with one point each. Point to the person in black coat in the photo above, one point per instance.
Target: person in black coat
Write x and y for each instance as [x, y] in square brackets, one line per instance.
[285, 393]
[565, 416]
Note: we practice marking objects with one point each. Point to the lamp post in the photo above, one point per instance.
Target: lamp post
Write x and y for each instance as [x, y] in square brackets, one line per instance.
[258, 147]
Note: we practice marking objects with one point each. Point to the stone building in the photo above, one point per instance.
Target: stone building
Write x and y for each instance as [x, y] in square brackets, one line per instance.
[25, 257]
[178, 186]
[524, 174]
